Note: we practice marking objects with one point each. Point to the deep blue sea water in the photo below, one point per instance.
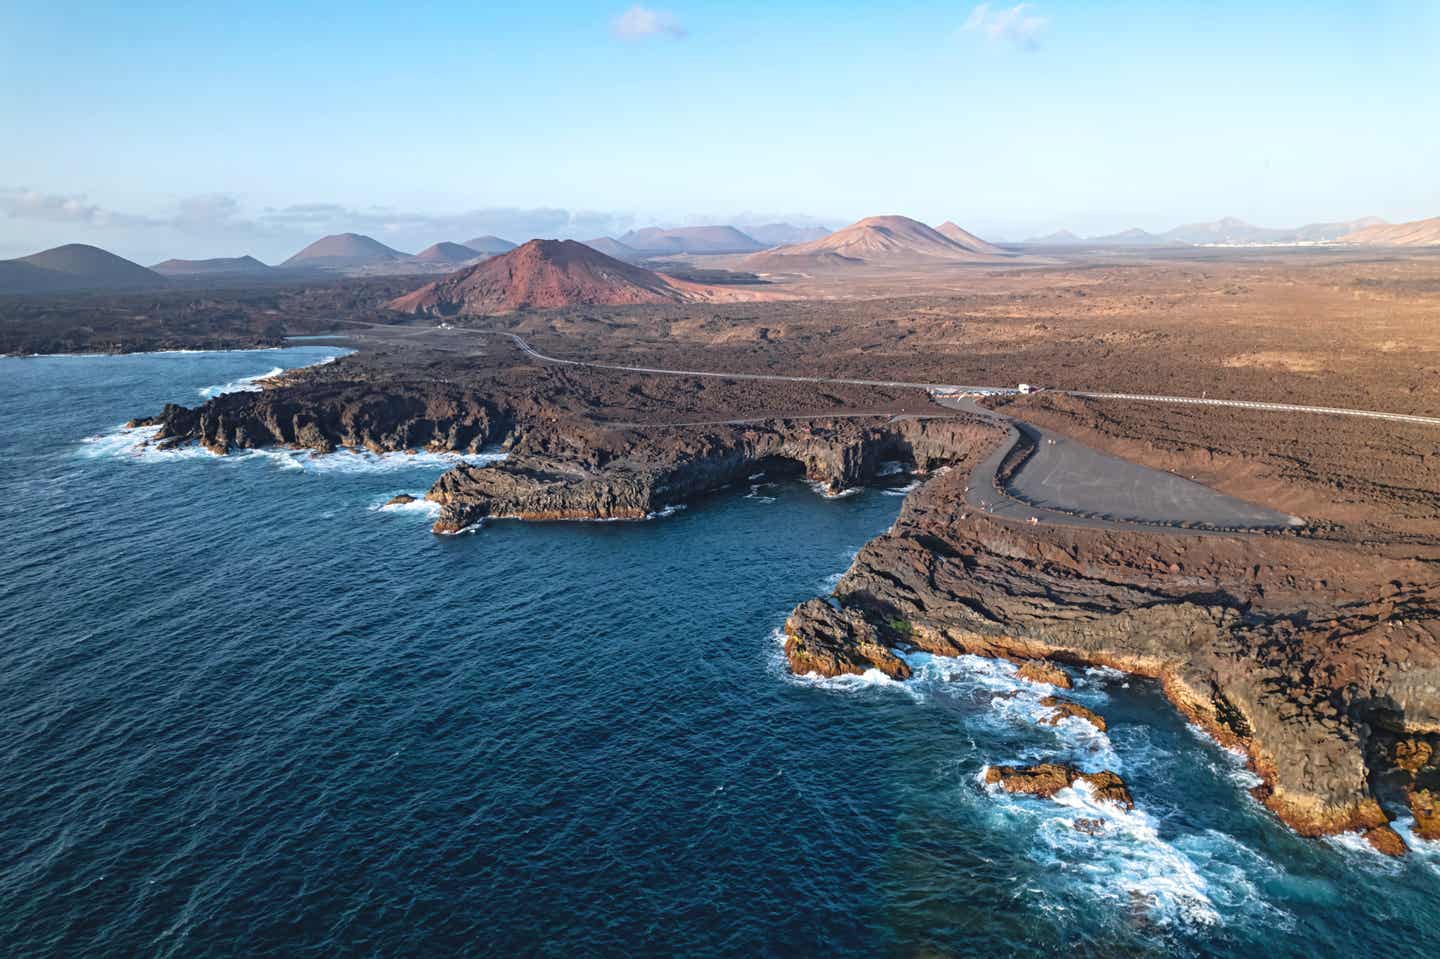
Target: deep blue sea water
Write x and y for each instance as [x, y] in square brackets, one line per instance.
[245, 712]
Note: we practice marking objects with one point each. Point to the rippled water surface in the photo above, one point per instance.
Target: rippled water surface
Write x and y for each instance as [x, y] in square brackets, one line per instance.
[245, 711]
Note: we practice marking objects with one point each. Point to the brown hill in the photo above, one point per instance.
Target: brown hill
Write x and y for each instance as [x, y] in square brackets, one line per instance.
[445, 252]
[690, 239]
[955, 232]
[490, 243]
[344, 251]
[75, 266]
[228, 265]
[614, 248]
[876, 239]
[551, 274]
[1414, 233]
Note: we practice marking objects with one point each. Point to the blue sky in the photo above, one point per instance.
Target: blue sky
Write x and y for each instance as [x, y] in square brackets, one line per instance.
[187, 129]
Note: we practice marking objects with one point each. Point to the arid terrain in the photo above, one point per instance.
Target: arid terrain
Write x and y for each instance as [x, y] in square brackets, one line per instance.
[1315, 648]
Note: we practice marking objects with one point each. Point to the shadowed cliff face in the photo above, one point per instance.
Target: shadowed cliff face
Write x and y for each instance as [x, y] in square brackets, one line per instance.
[638, 473]
[1301, 654]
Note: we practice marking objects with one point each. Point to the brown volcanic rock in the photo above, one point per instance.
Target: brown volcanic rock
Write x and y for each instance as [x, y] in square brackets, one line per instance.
[821, 639]
[1385, 840]
[550, 274]
[1039, 671]
[1247, 642]
[1063, 709]
[1425, 807]
[1047, 779]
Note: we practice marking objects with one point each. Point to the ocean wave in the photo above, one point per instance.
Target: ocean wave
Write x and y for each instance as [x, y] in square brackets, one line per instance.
[136, 444]
[905, 490]
[670, 510]
[1424, 851]
[1123, 862]
[251, 384]
[1004, 702]
[890, 468]
[245, 384]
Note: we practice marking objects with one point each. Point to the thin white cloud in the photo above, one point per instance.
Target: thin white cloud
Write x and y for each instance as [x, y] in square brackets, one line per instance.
[25, 204]
[1016, 26]
[640, 23]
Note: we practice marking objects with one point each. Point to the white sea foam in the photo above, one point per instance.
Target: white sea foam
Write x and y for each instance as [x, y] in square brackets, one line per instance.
[245, 384]
[1127, 865]
[1425, 851]
[251, 384]
[419, 505]
[905, 490]
[824, 490]
[136, 445]
[890, 468]
[670, 510]
[1131, 866]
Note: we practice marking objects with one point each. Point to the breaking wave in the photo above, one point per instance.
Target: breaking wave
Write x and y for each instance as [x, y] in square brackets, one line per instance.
[245, 384]
[136, 444]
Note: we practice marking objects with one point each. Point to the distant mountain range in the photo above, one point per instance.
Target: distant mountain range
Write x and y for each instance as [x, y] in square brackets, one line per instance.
[782, 234]
[881, 239]
[614, 248]
[1227, 231]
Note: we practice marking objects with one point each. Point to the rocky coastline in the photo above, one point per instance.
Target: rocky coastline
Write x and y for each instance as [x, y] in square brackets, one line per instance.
[1321, 662]
[1315, 661]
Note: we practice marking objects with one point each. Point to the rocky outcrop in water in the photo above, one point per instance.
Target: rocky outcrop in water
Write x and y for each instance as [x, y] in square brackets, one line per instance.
[1301, 654]
[1062, 709]
[1047, 779]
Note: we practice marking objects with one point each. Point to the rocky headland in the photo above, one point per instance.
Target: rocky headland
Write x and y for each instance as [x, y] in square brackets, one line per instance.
[1321, 661]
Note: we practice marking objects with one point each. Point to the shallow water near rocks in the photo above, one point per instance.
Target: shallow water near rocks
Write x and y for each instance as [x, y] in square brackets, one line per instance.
[247, 710]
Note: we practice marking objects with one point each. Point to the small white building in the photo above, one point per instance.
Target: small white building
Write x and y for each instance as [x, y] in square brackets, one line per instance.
[1025, 389]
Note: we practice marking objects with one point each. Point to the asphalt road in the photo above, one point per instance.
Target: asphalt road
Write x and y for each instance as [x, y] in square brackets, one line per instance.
[1068, 483]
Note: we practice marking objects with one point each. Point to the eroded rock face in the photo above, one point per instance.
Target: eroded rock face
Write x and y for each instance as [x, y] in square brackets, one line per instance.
[1047, 779]
[1292, 651]
[632, 474]
[821, 639]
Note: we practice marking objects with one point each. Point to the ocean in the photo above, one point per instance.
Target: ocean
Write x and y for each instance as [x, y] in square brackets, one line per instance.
[246, 711]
